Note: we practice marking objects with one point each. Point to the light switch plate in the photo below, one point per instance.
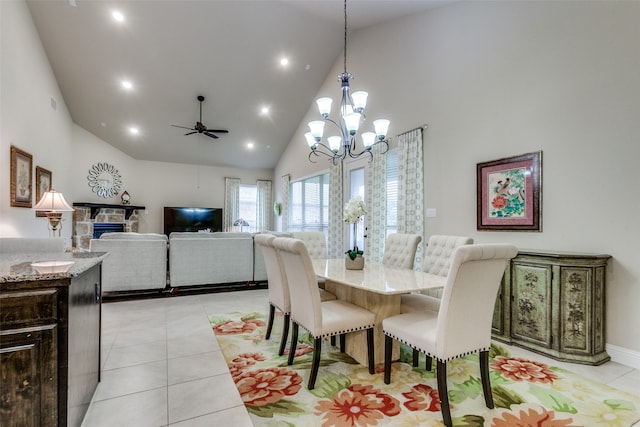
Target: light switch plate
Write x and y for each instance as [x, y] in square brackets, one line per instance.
[431, 212]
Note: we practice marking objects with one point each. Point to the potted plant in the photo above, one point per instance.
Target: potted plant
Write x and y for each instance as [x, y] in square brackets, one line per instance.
[354, 210]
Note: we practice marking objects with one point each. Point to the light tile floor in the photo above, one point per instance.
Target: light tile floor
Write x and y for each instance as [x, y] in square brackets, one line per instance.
[162, 365]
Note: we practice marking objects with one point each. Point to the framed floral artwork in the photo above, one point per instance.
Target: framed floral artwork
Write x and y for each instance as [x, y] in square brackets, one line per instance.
[509, 193]
[21, 178]
[43, 184]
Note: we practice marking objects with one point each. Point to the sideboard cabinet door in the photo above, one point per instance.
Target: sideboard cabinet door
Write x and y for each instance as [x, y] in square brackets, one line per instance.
[531, 304]
[581, 311]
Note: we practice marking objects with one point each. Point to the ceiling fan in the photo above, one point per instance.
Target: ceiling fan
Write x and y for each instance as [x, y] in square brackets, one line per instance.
[200, 127]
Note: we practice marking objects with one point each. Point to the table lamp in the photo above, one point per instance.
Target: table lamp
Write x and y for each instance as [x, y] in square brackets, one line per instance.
[53, 204]
[240, 222]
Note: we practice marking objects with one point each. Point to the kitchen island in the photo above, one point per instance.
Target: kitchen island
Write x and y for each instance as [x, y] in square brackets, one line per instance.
[50, 312]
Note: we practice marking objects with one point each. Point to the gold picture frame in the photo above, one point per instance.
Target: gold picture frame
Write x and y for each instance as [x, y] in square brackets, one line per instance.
[21, 178]
[44, 182]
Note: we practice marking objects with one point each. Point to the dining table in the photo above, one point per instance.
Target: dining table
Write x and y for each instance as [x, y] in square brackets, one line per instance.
[378, 288]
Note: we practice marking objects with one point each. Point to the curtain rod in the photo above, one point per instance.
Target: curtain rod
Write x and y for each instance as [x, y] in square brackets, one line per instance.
[424, 126]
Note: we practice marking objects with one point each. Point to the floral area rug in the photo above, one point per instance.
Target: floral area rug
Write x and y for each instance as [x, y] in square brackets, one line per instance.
[525, 392]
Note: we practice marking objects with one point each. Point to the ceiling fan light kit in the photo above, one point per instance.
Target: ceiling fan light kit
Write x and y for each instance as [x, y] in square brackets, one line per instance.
[200, 127]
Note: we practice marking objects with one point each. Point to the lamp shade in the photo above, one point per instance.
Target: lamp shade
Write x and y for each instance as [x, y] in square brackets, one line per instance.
[53, 201]
[317, 129]
[324, 105]
[334, 143]
[359, 100]
[310, 139]
[368, 139]
[240, 222]
[382, 127]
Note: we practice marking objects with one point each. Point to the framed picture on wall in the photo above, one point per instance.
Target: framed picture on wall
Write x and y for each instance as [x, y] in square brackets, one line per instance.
[21, 178]
[43, 184]
[509, 192]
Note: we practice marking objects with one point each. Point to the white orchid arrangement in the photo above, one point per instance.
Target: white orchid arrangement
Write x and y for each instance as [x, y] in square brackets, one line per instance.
[354, 210]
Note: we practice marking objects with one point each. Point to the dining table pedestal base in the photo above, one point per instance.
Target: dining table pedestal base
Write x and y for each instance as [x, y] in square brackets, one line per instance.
[382, 306]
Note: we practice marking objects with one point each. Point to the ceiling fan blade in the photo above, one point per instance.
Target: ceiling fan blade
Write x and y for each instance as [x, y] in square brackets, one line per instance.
[210, 135]
[190, 133]
[182, 127]
[218, 130]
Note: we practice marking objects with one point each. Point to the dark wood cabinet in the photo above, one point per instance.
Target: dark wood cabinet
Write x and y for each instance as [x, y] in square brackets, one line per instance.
[49, 349]
[554, 304]
[29, 377]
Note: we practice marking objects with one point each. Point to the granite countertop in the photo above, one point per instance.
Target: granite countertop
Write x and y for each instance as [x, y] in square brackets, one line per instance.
[17, 267]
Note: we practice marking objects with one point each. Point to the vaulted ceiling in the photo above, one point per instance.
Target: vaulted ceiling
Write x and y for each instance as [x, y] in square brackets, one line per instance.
[173, 51]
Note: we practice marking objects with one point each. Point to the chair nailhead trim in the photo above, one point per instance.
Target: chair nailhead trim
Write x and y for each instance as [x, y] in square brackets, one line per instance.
[336, 333]
[435, 357]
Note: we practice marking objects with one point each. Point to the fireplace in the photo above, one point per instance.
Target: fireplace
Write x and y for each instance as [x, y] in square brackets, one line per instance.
[99, 228]
[92, 219]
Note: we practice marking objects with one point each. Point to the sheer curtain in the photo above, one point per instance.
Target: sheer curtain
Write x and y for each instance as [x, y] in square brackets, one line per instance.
[376, 200]
[264, 205]
[335, 248]
[231, 202]
[286, 180]
[411, 188]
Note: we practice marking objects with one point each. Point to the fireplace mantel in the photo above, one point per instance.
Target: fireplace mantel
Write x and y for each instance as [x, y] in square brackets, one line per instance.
[95, 207]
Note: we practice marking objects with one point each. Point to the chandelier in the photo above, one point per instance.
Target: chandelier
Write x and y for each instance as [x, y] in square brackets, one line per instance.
[350, 117]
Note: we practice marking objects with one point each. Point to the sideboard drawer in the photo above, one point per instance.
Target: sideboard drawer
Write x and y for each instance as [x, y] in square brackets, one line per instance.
[26, 308]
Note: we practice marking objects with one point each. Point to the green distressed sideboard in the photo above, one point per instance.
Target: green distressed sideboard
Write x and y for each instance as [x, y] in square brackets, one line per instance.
[553, 303]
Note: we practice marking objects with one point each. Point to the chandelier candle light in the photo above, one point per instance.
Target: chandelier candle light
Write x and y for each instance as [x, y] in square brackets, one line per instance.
[350, 118]
[354, 210]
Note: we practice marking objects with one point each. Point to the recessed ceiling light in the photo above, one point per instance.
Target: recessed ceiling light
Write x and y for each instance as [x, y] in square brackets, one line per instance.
[117, 16]
[127, 84]
[134, 130]
[250, 145]
[264, 110]
[284, 62]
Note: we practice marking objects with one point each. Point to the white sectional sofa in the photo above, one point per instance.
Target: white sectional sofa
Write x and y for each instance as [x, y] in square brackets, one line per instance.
[210, 258]
[136, 261]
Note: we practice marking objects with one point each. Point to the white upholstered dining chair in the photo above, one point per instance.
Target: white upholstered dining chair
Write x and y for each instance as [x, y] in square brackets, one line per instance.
[462, 325]
[437, 260]
[400, 250]
[316, 243]
[320, 319]
[278, 287]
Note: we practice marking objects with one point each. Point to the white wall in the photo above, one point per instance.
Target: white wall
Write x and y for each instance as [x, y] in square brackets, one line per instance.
[27, 119]
[497, 79]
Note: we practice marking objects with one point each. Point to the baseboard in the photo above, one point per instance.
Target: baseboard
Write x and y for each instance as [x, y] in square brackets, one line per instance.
[624, 356]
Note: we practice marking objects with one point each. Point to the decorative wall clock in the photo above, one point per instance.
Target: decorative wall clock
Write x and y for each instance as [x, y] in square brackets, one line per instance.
[104, 180]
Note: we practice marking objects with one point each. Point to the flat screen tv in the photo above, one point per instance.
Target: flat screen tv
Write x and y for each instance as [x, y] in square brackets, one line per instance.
[192, 219]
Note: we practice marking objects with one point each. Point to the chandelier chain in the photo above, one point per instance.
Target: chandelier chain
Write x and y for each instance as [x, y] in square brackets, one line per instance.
[345, 36]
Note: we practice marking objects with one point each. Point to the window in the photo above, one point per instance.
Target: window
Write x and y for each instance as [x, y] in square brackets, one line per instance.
[248, 197]
[309, 204]
[392, 192]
